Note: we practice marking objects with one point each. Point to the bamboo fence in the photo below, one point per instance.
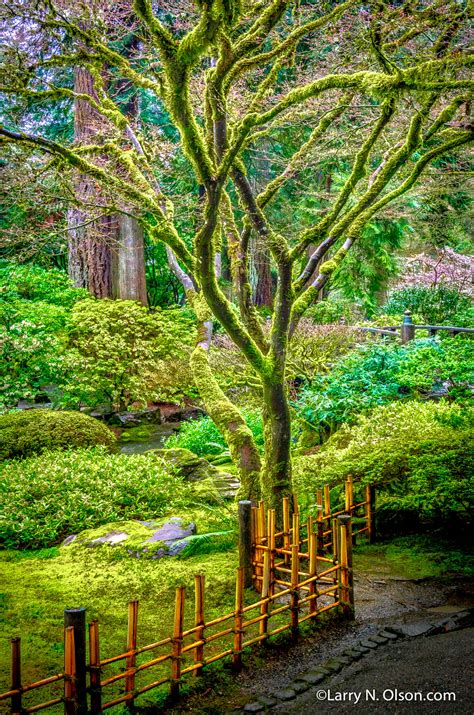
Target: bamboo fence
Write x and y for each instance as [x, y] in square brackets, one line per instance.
[299, 573]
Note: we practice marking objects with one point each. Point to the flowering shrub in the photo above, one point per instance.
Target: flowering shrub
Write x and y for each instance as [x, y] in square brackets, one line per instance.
[439, 305]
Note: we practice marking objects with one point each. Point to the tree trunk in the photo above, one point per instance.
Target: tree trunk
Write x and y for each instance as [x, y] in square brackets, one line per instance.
[129, 281]
[90, 258]
[276, 475]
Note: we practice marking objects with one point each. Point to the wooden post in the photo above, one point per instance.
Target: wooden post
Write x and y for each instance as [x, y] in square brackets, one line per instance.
[69, 671]
[16, 706]
[76, 619]
[296, 530]
[131, 660]
[327, 505]
[335, 552]
[94, 668]
[346, 595]
[286, 528]
[295, 567]
[369, 512]
[238, 633]
[177, 642]
[199, 619]
[407, 331]
[245, 540]
[349, 496]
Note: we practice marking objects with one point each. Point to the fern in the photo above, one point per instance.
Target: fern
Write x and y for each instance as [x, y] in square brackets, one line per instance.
[214, 542]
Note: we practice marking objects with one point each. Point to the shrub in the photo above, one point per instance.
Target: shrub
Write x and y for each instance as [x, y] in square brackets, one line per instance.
[119, 353]
[377, 373]
[315, 348]
[34, 283]
[421, 453]
[332, 310]
[435, 306]
[202, 437]
[45, 498]
[30, 432]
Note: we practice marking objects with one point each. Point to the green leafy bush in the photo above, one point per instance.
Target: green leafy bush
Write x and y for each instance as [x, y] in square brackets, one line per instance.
[435, 306]
[331, 310]
[34, 283]
[421, 454]
[34, 309]
[45, 498]
[33, 431]
[121, 354]
[377, 373]
[202, 437]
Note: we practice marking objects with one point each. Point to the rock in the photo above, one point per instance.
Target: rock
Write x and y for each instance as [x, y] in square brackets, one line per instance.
[300, 686]
[285, 694]
[412, 630]
[141, 539]
[354, 654]
[69, 540]
[378, 639]
[267, 701]
[369, 644]
[334, 665]
[173, 530]
[113, 537]
[197, 469]
[255, 707]
[312, 677]
[389, 636]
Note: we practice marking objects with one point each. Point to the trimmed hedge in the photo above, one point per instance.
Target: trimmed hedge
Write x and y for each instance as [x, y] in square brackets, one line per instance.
[26, 433]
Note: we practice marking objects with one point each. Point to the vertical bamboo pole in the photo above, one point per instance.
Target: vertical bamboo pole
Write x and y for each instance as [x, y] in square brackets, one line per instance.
[255, 538]
[238, 633]
[199, 618]
[94, 668]
[313, 564]
[295, 567]
[271, 546]
[131, 660]
[347, 492]
[369, 512]
[296, 530]
[16, 706]
[263, 538]
[69, 671]
[296, 508]
[327, 504]
[286, 528]
[320, 527]
[346, 579]
[335, 552]
[263, 623]
[177, 642]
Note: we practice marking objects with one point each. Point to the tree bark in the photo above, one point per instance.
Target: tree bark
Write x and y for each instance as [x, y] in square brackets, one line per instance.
[90, 258]
[276, 473]
[129, 282]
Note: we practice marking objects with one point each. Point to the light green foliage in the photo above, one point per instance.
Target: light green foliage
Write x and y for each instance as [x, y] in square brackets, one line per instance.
[420, 453]
[377, 373]
[332, 310]
[34, 310]
[45, 498]
[314, 348]
[31, 432]
[119, 353]
[435, 306]
[202, 437]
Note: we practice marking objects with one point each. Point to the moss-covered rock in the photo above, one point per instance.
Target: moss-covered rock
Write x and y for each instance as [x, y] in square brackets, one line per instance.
[30, 432]
[207, 478]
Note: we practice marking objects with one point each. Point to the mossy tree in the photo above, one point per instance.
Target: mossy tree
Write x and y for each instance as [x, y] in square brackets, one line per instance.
[388, 80]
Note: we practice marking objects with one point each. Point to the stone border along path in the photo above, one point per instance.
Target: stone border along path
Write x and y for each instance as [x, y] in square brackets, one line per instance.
[315, 676]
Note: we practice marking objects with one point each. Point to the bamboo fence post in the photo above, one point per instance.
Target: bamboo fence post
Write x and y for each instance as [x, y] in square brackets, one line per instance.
[346, 595]
[335, 552]
[94, 668]
[263, 538]
[349, 496]
[177, 642]
[76, 618]
[199, 618]
[327, 505]
[295, 567]
[313, 565]
[263, 623]
[271, 546]
[131, 660]
[69, 671]
[296, 508]
[320, 527]
[286, 529]
[245, 539]
[16, 706]
[254, 543]
[238, 620]
[369, 512]
[296, 530]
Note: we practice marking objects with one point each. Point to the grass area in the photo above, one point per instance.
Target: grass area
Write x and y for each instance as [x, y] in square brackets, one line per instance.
[415, 557]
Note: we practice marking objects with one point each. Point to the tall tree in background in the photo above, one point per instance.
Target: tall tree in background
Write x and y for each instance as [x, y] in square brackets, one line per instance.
[384, 88]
